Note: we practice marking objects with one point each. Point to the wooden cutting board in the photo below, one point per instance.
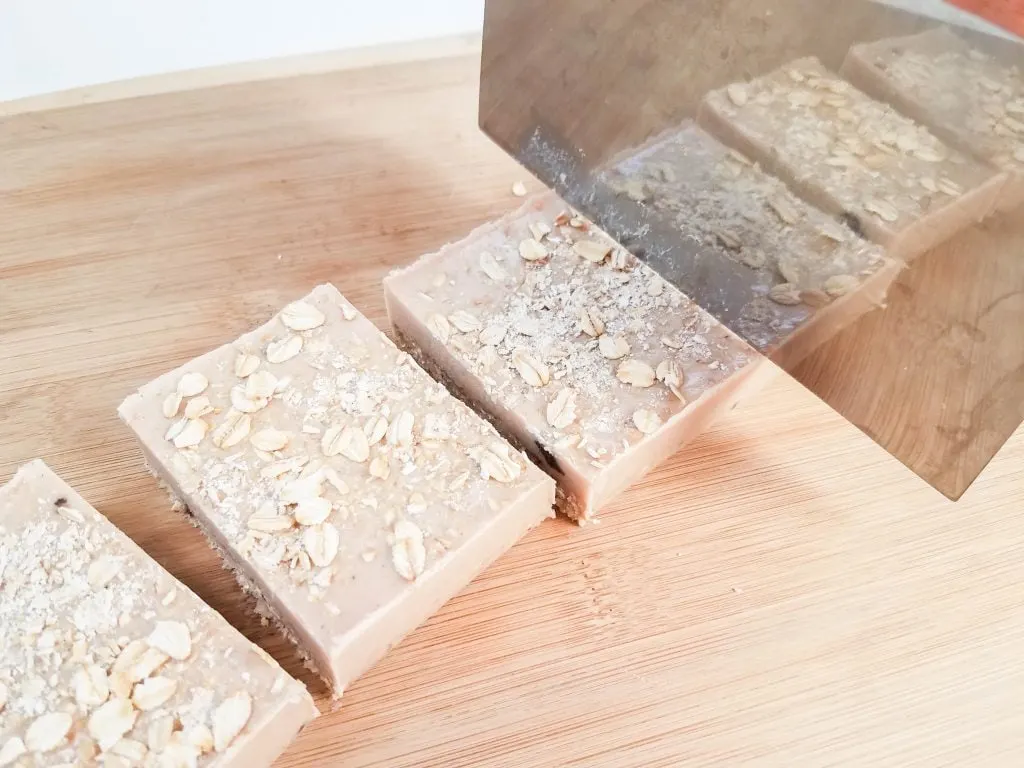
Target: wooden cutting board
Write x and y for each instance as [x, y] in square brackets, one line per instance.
[782, 592]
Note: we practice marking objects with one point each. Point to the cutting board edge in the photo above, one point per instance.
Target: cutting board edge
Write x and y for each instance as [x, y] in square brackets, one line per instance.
[449, 46]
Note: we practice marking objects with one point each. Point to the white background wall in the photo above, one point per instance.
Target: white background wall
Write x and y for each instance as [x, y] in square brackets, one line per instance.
[52, 45]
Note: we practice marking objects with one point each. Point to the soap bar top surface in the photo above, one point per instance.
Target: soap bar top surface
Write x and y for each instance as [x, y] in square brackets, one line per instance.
[721, 199]
[870, 159]
[328, 463]
[590, 348]
[968, 92]
[105, 659]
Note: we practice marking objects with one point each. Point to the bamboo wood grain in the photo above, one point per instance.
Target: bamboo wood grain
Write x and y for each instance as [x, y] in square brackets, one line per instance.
[783, 592]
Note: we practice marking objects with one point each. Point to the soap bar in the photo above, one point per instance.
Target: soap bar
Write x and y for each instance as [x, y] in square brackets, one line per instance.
[586, 358]
[350, 493]
[852, 156]
[810, 274]
[966, 97]
[106, 659]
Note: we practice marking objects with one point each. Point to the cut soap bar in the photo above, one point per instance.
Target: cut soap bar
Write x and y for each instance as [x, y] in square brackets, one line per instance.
[812, 275]
[349, 491]
[854, 157]
[968, 98]
[589, 360]
[106, 659]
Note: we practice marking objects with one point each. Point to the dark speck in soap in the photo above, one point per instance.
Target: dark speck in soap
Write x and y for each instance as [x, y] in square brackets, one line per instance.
[852, 222]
